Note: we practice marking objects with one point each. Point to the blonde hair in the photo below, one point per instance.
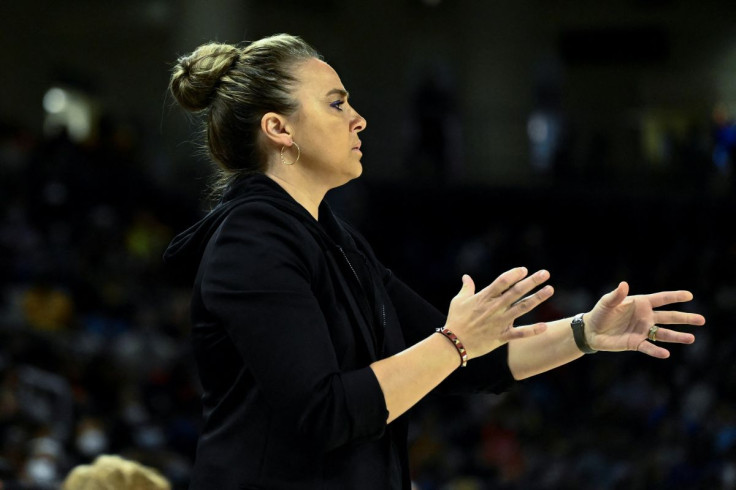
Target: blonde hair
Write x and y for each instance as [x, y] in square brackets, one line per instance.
[233, 87]
[111, 472]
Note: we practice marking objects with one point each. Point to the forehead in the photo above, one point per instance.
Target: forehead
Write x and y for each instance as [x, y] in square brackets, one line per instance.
[317, 77]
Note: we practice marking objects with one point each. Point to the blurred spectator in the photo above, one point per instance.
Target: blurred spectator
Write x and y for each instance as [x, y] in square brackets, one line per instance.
[724, 136]
[47, 307]
[434, 149]
[43, 464]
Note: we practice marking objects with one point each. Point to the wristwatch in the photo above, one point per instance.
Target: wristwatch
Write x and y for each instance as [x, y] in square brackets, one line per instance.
[578, 333]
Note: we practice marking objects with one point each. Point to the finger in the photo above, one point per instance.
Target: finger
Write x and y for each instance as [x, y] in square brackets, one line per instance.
[524, 286]
[673, 336]
[525, 331]
[615, 297]
[668, 297]
[652, 350]
[678, 318]
[503, 282]
[530, 302]
[468, 288]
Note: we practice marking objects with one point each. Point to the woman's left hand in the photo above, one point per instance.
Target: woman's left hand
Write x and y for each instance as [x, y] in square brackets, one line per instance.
[619, 322]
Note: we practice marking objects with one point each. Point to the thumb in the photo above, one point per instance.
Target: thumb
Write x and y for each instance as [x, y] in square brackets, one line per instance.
[468, 288]
[616, 296]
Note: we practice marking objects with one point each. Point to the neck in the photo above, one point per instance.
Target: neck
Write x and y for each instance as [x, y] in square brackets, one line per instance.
[310, 197]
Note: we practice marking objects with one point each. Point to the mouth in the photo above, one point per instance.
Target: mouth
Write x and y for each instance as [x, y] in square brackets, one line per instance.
[357, 147]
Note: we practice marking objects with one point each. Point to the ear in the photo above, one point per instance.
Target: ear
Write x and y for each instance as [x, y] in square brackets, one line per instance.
[276, 129]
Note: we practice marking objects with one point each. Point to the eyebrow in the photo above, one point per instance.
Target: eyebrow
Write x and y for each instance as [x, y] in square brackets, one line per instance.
[339, 91]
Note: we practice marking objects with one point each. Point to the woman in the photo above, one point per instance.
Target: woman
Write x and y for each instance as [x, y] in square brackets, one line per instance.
[308, 349]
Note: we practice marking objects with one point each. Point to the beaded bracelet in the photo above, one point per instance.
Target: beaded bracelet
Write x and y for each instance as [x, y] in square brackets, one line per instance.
[458, 345]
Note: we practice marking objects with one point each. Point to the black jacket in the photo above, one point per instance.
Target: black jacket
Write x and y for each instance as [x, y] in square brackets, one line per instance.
[287, 315]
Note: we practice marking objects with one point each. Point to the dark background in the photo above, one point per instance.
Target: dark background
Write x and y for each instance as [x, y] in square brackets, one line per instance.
[594, 139]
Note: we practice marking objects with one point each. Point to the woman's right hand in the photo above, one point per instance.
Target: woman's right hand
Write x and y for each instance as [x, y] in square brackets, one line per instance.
[485, 321]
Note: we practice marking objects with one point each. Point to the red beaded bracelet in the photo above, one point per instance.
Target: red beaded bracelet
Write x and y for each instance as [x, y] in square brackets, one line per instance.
[458, 345]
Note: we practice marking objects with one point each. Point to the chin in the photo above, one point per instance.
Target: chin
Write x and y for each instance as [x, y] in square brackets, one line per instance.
[348, 176]
[354, 171]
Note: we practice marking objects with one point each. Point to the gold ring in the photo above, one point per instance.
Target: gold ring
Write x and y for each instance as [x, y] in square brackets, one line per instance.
[653, 333]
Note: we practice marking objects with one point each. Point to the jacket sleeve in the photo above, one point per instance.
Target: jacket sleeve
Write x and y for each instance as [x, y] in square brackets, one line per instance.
[486, 374]
[257, 282]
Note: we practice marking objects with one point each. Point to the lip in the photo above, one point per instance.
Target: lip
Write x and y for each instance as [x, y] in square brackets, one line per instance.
[357, 147]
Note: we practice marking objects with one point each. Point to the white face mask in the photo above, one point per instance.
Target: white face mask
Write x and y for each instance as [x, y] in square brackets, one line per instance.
[41, 470]
[91, 442]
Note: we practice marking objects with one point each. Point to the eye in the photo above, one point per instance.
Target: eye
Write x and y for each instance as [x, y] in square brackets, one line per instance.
[337, 104]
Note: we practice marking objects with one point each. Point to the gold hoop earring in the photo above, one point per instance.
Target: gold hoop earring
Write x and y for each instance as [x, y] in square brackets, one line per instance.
[298, 154]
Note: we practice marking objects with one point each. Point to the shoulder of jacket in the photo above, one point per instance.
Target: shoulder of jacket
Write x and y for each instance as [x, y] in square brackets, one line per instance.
[265, 235]
[262, 214]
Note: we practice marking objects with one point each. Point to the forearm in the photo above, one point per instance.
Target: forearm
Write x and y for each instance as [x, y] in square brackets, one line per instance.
[408, 376]
[533, 355]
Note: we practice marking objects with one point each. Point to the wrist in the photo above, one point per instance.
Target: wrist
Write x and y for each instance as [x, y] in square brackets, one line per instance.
[579, 334]
[462, 352]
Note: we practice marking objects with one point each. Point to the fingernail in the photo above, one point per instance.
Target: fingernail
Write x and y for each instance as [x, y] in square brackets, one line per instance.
[542, 273]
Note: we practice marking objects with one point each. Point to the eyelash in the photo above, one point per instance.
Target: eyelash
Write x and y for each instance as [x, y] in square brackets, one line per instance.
[337, 104]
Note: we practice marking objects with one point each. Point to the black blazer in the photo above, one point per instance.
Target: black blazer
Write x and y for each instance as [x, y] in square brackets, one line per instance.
[287, 315]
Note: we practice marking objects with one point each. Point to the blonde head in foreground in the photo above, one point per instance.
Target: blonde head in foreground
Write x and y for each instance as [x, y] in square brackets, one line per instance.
[109, 472]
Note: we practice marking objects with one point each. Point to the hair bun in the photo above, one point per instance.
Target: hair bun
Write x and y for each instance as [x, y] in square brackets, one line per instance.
[195, 77]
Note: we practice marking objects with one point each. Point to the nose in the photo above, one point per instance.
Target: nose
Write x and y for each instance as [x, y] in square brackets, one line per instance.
[359, 123]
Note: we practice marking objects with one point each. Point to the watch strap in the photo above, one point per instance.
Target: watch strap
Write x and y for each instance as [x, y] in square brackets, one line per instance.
[578, 333]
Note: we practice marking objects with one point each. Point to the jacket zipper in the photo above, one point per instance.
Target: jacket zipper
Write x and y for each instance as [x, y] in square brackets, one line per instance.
[348, 261]
[383, 307]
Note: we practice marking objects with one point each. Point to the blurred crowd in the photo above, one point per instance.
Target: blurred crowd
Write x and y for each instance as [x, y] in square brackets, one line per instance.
[95, 355]
[93, 348]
